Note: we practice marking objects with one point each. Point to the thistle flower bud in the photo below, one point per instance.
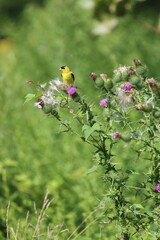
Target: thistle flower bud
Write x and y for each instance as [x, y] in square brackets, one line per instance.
[137, 62]
[157, 114]
[93, 76]
[108, 84]
[103, 76]
[125, 75]
[117, 77]
[151, 81]
[121, 74]
[99, 83]
[126, 137]
[131, 70]
[139, 107]
[155, 86]
[147, 107]
[47, 108]
[134, 79]
[141, 70]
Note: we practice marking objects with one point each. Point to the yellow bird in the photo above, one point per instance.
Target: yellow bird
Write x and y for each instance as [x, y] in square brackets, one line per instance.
[67, 75]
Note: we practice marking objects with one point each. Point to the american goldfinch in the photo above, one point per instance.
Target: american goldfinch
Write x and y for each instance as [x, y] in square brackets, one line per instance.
[67, 75]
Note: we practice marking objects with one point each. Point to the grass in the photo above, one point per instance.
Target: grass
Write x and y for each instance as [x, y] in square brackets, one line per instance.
[34, 230]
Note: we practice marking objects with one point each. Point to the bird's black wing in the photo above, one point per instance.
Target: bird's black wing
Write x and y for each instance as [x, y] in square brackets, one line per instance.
[73, 76]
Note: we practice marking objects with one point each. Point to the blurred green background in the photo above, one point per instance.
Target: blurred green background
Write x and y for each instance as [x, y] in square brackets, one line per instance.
[36, 38]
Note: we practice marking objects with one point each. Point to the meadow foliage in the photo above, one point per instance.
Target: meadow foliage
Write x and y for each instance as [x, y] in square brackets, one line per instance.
[95, 150]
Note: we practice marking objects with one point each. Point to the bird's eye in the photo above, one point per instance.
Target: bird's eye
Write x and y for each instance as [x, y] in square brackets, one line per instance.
[63, 67]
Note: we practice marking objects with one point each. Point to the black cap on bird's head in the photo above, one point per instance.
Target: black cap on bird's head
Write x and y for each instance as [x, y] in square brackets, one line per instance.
[61, 68]
[64, 68]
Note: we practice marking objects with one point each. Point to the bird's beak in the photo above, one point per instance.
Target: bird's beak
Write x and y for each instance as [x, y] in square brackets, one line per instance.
[60, 69]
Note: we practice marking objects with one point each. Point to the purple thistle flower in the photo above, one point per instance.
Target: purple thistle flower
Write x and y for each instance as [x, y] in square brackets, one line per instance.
[127, 86]
[157, 187]
[72, 90]
[104, 102]
[116, 135]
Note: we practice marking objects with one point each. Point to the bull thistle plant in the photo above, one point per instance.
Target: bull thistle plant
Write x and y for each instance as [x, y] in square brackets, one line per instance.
[128, 115]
